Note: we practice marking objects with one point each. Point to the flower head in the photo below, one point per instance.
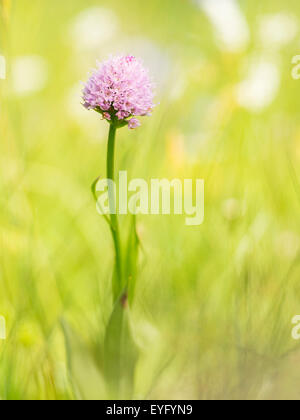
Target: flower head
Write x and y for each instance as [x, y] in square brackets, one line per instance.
[120, 89]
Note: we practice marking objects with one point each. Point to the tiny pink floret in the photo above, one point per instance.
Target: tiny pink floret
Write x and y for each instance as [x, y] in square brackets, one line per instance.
[107, 116]
[133, 123]
[130, 58]
[120, 88]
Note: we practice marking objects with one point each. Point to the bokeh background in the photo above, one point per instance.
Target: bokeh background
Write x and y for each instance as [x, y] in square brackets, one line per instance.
[214, 303]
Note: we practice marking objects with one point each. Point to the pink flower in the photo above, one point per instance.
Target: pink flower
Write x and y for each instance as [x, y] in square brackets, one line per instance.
[133, 123]
[120, 88]
[107, 116]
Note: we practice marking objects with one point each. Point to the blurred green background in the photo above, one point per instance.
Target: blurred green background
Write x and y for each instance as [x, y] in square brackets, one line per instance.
[214, 303]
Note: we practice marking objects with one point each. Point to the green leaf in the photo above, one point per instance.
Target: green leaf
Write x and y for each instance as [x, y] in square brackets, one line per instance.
[86, 377]
[121, 352]
[94, 192]
[131, 262]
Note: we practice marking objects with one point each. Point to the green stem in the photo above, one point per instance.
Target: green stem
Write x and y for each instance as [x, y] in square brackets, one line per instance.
[112, 205]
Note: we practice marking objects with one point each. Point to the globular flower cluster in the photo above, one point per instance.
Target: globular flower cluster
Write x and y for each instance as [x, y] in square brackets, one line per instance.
[120, 89]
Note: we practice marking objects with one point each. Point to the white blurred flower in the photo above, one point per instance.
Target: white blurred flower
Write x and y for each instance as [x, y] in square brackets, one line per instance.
[231, 209]
[2, 67]
[29, 74]
[229, 22]
[277, 30]
[261, 86]
[93, 27]
[90, 122]
[154, 57]
[287, 245]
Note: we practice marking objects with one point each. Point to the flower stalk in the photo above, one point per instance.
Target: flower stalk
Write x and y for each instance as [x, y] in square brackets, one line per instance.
[112, 203]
